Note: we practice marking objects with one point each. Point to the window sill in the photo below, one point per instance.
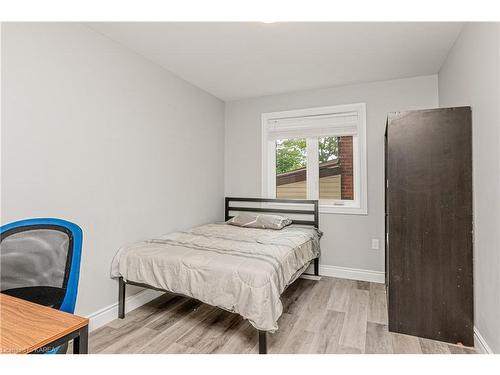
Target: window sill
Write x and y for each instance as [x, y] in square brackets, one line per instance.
[343, 210]
[326, 208]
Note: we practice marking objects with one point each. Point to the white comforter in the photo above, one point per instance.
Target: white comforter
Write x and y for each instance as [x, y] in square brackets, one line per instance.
[242, 270]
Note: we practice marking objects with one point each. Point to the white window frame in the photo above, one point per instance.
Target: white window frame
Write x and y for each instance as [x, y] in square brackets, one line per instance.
[357, 206]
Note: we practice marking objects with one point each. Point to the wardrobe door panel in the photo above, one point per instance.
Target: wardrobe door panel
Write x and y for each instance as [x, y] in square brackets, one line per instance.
[429, 197]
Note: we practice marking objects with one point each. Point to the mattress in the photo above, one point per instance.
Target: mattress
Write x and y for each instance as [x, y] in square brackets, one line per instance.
[242, 270]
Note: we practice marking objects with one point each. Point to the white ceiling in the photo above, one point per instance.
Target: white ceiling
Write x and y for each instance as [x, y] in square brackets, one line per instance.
[241, 60]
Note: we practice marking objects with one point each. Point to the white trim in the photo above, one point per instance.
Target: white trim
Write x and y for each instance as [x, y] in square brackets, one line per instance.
[268, 164]
[312, 170]
[316, 111]
[352, 273]
[480, 343]
[110, 313]
[268, 185]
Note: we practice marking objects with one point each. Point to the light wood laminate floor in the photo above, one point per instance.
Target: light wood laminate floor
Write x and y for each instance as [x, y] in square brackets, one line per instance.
[327, 316]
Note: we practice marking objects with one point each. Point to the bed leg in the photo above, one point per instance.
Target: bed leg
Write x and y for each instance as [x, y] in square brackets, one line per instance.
[121, 298]
[316, 267]
[262, 342]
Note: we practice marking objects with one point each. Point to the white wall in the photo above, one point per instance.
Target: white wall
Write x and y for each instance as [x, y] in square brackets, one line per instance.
[471, 76]
[347, 240]
[98, 135]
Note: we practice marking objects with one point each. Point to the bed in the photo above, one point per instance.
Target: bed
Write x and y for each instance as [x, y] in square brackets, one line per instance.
[242, 270]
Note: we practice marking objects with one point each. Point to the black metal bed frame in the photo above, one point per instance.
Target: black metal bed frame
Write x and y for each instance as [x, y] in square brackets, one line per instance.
[228, 208]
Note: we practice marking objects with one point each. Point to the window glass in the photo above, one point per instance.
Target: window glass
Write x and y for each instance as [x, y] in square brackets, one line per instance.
[335, 169]
[291, 169]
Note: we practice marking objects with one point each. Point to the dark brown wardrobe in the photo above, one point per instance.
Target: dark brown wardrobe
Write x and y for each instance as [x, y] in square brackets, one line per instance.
[428, 169]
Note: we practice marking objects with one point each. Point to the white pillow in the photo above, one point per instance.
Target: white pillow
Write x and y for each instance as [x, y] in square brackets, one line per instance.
[249, 220]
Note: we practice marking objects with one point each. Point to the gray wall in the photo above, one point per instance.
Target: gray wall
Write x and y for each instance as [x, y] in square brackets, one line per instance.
[98, 135]
[471, 76]
[347, 240]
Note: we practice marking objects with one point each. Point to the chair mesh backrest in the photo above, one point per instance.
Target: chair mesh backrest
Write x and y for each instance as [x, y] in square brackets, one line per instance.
[35, 262]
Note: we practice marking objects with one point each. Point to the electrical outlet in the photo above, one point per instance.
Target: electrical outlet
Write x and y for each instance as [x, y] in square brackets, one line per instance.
[375, 244]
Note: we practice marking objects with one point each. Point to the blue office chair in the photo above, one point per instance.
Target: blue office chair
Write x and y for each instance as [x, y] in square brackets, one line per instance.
[40, 262]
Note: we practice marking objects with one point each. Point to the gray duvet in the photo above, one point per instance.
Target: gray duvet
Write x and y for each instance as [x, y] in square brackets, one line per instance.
[242, 270]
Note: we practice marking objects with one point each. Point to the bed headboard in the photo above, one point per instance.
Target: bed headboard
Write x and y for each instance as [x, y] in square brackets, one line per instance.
[308, 207]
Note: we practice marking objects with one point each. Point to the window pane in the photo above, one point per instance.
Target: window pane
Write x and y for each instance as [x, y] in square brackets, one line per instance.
[335, 169]
[291, 169]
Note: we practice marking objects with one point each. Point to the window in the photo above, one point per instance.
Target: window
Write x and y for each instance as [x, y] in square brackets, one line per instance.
[316, 153]
[291, 176]
[335, 169]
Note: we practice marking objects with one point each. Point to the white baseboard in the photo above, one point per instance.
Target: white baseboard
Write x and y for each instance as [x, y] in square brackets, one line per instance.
[110, 313]
[480, 343]
[352, 273]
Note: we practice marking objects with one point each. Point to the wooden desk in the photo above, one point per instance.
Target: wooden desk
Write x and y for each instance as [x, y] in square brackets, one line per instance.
[26, 327]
